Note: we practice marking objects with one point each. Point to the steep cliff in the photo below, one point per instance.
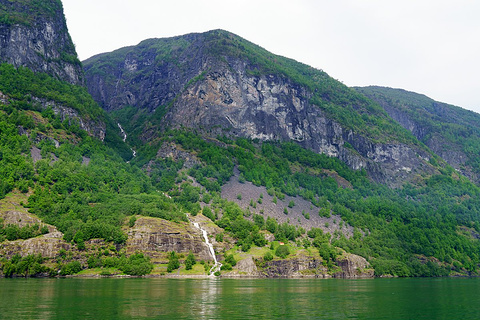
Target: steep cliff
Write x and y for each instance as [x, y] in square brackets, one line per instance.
[220, 84]
[33, 34]
[451, 132]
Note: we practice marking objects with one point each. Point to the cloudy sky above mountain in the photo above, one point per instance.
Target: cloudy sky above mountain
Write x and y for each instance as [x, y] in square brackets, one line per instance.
[426, 46]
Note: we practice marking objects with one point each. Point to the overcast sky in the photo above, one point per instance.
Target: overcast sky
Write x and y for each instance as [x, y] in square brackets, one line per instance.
[427, 46]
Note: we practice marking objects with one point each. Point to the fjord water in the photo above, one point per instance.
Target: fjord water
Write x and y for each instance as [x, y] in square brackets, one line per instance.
[444, 298]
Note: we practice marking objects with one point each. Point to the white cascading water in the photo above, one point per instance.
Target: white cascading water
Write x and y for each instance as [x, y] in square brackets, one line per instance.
[216, 267]
[125, 139]
[123, 132]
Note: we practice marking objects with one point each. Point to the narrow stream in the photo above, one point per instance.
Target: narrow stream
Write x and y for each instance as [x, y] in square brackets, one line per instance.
[216, 267]
[123, 132]
[125, 139]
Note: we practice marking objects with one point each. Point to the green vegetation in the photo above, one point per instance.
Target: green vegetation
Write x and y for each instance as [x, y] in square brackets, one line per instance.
[21, 85]
[427, 229]
[268, 256]
[282, 251]
[457, 129]
[190, 261]
[173, 263]
[14, 232]
[404, 225]
[27, 11]
[136, 265]
[31, 265]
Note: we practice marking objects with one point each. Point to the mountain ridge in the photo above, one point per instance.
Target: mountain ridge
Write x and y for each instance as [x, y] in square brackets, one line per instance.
[451, 132]
[220, 81]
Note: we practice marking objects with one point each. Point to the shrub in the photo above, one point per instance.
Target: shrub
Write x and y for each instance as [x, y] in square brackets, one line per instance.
[226, 266]
[282, 251]
[268, 256]
[136, 265]
[132, 221]
[230, 259]
[70, 268]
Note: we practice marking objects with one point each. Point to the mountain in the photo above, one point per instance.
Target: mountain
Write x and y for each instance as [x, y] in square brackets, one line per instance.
[216, 112]
[222, 85]
[451, 132]
[211, 149]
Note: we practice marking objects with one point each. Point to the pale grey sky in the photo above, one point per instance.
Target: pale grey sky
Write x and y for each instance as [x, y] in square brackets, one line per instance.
[427, 46]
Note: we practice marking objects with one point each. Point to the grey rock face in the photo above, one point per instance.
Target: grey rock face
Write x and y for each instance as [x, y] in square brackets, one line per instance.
[94, 128]
[232, 102]
[220, 95]
[443, 128]
[41, 43]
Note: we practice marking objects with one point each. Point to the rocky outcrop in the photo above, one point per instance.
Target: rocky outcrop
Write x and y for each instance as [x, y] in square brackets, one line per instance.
[94, 127]
[229, 101]
[156, 237]
[172, 151]
[353, 266]
[294, 268]
[47, 245]
[301, 266]
[34, 34]
[445, 129]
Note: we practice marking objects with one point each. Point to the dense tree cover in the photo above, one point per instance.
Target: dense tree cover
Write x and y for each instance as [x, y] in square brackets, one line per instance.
[190, 261]
[81, 186]
[173, 262]
[34, 265]
[415, 229]
[22, 85]
[14, 232]
[28, 266]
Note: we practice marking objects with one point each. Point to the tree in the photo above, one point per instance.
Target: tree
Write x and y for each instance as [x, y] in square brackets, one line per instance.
[190, 261]
[173, 262]
[268, 256]
[282, 251]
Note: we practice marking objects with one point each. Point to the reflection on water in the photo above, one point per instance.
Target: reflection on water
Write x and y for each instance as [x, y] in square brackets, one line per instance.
[239, 299]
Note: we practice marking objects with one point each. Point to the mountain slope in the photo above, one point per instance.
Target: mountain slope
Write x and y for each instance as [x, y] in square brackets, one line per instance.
[220, 84]
[451, 132]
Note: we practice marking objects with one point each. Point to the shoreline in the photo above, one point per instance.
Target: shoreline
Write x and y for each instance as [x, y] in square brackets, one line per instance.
[230, 277]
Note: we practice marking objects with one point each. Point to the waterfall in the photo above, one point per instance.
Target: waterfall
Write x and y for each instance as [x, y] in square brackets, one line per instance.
[125, 139]
[123, 132]
[216, 267]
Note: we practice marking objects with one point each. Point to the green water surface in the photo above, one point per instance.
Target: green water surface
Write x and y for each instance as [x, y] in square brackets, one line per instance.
[437, 298]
